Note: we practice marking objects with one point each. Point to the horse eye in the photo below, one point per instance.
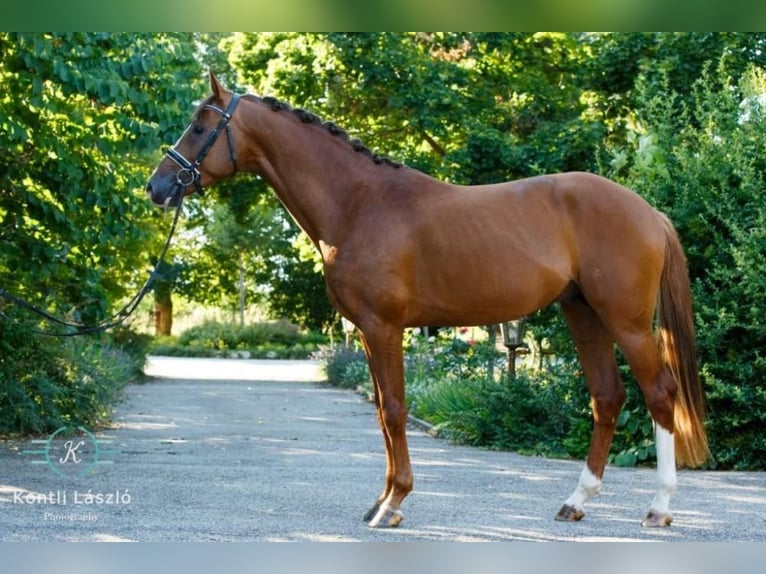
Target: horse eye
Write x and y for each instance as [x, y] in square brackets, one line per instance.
[197, 129]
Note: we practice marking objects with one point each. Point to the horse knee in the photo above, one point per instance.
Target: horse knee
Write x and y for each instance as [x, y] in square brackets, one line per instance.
[394, 415]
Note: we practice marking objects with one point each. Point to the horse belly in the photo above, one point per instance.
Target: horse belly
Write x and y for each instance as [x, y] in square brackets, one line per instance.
[469, 294]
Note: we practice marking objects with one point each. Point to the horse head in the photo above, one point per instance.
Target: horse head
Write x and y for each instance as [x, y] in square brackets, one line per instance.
[199, 158]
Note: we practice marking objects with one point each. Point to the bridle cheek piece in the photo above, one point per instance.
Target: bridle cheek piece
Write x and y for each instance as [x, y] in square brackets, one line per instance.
[189, 173]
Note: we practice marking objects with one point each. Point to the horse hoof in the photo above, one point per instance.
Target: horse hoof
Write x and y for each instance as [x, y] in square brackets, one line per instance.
[657, 520]
[569, 514]
[386, 518]
[371, 513]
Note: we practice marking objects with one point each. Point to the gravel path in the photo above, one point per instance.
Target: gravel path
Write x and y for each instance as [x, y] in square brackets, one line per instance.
[260, 450]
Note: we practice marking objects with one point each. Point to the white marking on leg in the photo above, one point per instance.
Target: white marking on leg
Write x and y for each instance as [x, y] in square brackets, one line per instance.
[588, 487]
[386, 512]
[666, 469]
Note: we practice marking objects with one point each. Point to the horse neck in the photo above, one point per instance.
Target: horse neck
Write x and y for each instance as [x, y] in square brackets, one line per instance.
[317, 176]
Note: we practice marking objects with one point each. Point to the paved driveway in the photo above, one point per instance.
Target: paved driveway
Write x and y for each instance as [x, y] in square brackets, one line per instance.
[258, 450]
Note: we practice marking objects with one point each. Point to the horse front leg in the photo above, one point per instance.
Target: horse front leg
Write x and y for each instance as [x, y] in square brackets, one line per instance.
[383, 346]
[370, 514]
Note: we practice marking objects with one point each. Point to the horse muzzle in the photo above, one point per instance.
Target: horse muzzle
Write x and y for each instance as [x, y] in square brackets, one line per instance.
[166, 192]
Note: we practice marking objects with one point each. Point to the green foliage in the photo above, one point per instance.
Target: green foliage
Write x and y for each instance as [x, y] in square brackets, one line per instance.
[677, 116]
[276, 340]
[79, 114]
[344, 367]
[469, 107]
[702, 163]
[231, 233]
[49, 383]
[463, 389]
[448, 357]
[296, 288]
[217, 335]
[81, 117]
[246, 235]
[135, 345]
[526, 414]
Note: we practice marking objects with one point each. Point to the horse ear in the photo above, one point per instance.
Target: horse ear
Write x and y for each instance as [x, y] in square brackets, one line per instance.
[216, 87]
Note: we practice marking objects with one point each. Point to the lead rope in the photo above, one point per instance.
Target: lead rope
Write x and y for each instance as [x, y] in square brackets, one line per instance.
[117, 318]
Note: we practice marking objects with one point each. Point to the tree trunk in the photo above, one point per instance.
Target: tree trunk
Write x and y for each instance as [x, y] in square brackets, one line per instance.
[163, 313]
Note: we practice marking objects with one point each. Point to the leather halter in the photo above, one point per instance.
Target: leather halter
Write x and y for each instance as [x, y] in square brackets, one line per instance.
[189, 173]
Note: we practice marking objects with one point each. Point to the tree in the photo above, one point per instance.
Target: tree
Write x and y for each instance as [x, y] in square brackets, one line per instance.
[624, 67]
[81, 117]
[235, 231]
[168, 274]
[702, 163]
[678, 117]
[471, 108]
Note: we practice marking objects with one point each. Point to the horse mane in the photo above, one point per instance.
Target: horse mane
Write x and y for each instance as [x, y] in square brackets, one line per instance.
[331, 128]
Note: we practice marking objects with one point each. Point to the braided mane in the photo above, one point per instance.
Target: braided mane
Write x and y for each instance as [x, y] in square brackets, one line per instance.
[332, 128]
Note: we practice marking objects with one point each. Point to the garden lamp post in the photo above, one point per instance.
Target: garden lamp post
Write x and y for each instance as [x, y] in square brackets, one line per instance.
[348, 329]
[513, 338]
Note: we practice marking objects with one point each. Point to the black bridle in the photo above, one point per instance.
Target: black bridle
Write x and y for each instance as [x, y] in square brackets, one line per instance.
[189, 173]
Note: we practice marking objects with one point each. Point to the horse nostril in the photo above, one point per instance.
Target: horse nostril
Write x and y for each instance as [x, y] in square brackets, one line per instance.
[149, 188]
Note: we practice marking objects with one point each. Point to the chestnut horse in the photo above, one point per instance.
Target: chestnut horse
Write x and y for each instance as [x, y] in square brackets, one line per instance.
[401, 249]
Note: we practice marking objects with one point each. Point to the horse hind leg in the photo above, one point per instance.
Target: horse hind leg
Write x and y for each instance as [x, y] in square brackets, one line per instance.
[659, 389]
[595, 348]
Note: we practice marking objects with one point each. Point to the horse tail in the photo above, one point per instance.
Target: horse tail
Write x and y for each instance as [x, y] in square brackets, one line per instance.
[679, 350]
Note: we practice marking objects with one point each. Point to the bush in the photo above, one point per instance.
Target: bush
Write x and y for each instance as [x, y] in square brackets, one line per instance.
[701, 160]
[275, 340]
[542, 412]
[531, 413]
[345, 367]
[47, 383]
[232, 336]
[135, 346]
[448, 357]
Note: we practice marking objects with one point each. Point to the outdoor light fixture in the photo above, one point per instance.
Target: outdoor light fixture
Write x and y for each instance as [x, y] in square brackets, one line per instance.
[348, 329]
[513, 338]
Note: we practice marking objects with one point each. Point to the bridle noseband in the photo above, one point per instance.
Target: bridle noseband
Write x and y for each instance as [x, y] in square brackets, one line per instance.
[189, 173]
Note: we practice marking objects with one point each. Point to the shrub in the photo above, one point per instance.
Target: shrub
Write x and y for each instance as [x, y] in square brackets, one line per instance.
[544, 411]
[47, 383]
[344, 367]
[449, 357]
[274, 340]
[215, 335]
[531, 413]
[701, 160]
[135, 346]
